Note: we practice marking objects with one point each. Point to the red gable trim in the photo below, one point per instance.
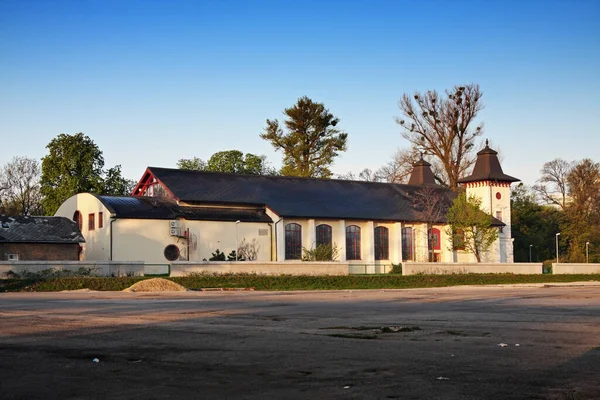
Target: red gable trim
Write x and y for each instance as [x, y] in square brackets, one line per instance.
[149, 179]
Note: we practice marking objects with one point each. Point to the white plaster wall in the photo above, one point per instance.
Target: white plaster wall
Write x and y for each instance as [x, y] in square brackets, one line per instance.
[260, 268]
[499, 252]
[99, 268]
[559, 269]
[145, 239]
[97, 241]
[471, 268]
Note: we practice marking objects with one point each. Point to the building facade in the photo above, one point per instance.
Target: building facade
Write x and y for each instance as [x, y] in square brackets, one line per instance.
[189, 215]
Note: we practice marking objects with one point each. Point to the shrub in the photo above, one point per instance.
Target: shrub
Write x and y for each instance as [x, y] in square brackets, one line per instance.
[248, 251]
[323, 252]
[396, 269]
[217, 256]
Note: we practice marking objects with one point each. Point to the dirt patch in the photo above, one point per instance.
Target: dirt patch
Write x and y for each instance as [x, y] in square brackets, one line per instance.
[155, 285]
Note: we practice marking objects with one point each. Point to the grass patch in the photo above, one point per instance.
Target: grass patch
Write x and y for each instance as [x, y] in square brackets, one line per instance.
[288, 282]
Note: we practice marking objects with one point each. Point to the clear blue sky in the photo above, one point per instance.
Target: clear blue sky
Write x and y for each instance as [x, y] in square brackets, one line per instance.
[155, 81]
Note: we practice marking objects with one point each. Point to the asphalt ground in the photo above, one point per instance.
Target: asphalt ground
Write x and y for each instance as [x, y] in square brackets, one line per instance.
[528, 342]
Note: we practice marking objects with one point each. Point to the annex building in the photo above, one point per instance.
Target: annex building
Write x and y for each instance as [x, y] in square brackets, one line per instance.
[187, 215]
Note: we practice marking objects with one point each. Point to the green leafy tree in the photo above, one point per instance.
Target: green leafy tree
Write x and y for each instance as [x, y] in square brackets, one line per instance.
[231, 161]
[478, 234]
[115, 184]
[581, 222]
[195, 164]
[442, 126]
[533, 226]
[310, 141]
[74, 165]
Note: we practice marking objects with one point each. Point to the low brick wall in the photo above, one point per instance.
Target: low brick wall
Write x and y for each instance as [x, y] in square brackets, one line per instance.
[100, 268]
[183, 268]
[560, 268]
[410, 268]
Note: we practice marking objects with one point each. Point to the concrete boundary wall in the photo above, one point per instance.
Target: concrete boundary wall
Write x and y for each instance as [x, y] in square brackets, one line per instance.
[184, 268]
[100, 268]
[413, 268]
[569, 268]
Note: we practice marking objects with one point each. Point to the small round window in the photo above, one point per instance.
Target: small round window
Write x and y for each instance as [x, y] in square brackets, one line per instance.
[498, 195]
[171, 252]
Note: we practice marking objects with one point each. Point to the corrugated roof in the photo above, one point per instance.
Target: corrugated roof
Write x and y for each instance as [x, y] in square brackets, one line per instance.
[162, 208]
[25, 229]
[297, 197]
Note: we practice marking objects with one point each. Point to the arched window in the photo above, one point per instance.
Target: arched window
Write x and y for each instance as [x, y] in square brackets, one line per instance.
[323, 234]
[434, 239]
[407, 244]
[382, 243]
[293, 241]
[78, 218]
[352, 242]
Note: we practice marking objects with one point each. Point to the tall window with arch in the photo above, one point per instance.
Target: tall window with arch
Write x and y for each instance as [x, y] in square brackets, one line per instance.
[382, 243]
[434, 239]
[323, 235]
[407, 244]
[352, 242]
[77, 217]
[293, 241]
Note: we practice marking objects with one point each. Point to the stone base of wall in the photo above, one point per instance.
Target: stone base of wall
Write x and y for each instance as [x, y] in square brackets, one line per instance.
[360, 269]
[559, 269]
[99, 268]
[413, 268]
[183, 268]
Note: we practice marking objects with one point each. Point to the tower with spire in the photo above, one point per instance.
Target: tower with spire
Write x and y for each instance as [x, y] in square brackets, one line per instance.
[492, 186]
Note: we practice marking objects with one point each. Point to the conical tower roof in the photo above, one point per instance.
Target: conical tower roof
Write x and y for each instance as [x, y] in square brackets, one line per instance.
[487, 168]
[421, 173]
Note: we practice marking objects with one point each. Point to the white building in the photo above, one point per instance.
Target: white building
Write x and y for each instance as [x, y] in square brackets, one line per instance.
[179, 214]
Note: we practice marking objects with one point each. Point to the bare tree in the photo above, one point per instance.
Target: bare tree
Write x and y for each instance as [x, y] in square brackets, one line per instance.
[441, 127]
[431, 205]
[554, 182]
[366, 175]
[20, 187]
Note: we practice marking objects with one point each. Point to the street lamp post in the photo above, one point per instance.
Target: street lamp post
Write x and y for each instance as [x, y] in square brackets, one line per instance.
[530, 246]
[557, 235]
[587, 252]
[236, 239]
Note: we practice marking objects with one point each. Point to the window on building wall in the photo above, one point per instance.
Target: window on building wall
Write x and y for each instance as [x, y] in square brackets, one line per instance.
[458, 239]
[434, 239]
[77, 217]
[323, 234]
[352, 242]
[382, 243]
[407, 244]
[91, 222]
[499, 215]
[100, 219]
[293, 241]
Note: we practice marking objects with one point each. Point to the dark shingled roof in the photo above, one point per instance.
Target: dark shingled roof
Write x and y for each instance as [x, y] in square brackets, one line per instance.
[25, 229]
[421, 174]
[162, 208]
[487, 168]
[297, 197]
